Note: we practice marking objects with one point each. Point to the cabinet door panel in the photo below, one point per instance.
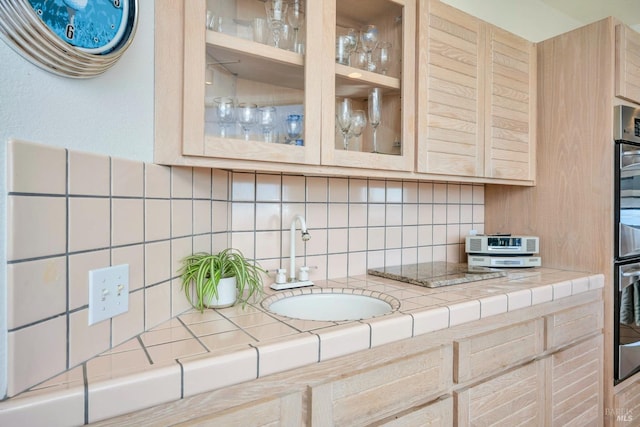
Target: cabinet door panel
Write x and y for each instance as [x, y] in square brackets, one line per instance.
[510, 106]
[450, 127]
[576, 385]
[627, 63]
[514, 398]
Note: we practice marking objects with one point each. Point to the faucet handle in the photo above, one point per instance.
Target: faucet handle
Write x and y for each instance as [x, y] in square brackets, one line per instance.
[304, 272]
[281, 276]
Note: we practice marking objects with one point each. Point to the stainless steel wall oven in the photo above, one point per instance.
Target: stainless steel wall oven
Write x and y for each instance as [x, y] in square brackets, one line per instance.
[627, 242]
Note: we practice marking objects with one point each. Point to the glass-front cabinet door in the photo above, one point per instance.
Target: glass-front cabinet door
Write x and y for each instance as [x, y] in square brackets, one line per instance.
[300, 82]
[252, 92]
[368, 84]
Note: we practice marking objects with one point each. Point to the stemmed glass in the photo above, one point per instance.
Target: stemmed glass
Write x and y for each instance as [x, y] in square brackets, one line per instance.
[375, 107]
[225, 110]
[358, 122]
[247, 117]
[267, 120]
[369, 41]
[382, 57]
[294, 127]
[296, 18]
[276, 14]
[343, 119]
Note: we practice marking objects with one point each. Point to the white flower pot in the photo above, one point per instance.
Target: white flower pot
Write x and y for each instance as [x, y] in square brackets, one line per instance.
[227, 294]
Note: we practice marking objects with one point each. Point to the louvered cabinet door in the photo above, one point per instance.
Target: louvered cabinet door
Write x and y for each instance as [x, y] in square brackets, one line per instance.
[576, 385]
[627, 63]
[510, 106]
[450, 122]
[514, 398]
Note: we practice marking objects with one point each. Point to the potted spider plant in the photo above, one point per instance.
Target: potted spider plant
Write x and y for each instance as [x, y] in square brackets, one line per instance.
[220, 280]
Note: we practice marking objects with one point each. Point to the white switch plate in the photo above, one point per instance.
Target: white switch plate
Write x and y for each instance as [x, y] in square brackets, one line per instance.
[108, 292]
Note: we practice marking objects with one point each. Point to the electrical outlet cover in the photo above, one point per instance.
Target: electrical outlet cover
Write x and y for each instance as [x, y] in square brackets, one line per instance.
[108, 292]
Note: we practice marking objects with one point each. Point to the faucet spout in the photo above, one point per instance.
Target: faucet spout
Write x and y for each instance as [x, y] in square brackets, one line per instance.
[292, 248]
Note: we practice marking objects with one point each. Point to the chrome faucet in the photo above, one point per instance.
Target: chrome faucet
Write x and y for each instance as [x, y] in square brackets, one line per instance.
[292, 281]
[292, 248]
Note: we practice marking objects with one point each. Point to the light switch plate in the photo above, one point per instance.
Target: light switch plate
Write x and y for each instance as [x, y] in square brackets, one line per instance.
[108, 292]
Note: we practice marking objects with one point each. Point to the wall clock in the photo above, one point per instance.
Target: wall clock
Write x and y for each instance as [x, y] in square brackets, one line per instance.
[73, 38]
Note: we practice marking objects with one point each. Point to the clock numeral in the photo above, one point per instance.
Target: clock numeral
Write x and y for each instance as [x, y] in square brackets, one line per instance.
[117, 3]
[70, 31]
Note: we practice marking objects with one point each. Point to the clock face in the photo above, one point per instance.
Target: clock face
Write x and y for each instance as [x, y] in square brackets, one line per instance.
[94, 26]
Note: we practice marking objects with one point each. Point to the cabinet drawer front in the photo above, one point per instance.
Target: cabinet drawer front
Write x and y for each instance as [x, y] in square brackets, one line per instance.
[379, 392]
[574, 323]
[514, 398]
[437, 414]
[496, 350]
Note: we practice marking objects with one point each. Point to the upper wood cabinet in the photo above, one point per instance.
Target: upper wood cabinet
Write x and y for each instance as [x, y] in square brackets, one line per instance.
[476, 97]
[396, 23]
[224, 59]
[627, 63]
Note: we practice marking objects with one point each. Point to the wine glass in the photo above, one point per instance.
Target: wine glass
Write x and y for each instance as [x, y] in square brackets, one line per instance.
[295, 17]
[225, 110]
[267, 120]
[343, 119]
[276, 15]
[382, 57]
[247, 117]
[293, 125]
[375, 107]
[369, 41]
[358, 122]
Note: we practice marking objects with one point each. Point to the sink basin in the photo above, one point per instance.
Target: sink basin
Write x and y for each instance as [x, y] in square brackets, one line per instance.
[331, 304]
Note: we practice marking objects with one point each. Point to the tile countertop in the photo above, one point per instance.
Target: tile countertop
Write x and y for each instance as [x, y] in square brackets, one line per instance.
[195, 353]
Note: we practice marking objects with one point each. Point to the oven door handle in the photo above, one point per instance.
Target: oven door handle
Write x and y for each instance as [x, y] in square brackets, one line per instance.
[632, 273]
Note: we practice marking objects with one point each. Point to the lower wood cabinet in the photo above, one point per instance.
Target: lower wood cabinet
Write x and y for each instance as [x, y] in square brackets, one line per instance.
[490, 352]
[539, 366]
[287, 410]
[575, 386]
[513, 398]
[376, 393]
[434, 414]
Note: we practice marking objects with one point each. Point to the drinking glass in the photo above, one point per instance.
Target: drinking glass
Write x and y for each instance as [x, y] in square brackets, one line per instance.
[276, 15]
[247, 117]
[343, 119]
[375, 107]
[267, 121]
[295, 17]
[293, 125]
[382, 57]
[358, 122]
[359, 58]
[225, 110]
[346, 41]
[369, 41]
